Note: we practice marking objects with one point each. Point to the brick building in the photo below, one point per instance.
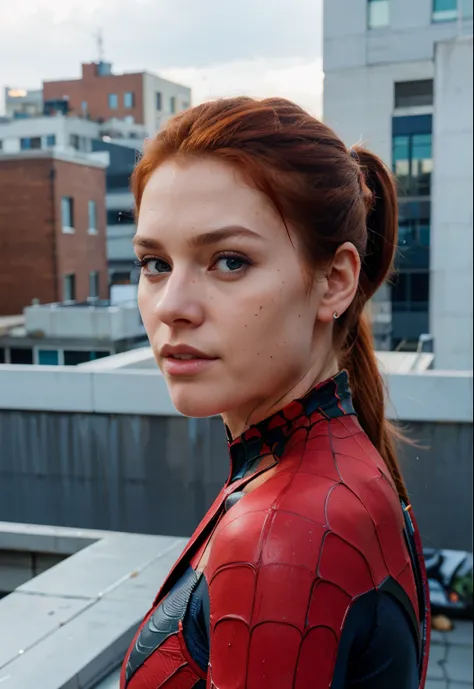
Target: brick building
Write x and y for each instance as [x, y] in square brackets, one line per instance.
[102, 96]
[52, 229]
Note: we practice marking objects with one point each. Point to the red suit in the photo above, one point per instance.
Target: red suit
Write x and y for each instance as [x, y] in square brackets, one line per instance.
[289, 562]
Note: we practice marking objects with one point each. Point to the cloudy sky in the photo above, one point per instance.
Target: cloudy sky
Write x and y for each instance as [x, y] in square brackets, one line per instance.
[218, 47]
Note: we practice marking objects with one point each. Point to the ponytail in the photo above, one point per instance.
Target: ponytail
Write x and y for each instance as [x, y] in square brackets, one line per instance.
[379, 191]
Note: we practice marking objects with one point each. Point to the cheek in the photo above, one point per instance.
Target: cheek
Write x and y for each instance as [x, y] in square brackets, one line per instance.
[266, 326]
[145, 305]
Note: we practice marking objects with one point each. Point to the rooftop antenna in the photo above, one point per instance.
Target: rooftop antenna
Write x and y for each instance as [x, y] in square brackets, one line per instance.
[99, 37]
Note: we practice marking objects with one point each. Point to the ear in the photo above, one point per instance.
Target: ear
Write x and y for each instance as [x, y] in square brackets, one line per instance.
[342, 282]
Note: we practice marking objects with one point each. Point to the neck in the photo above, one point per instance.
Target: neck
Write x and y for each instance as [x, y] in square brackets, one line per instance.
[239, 420]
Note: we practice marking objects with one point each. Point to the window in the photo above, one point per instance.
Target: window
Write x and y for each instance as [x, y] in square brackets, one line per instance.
[84, 107]
[92, 209]
[51, 140]
[410, 291]
[93, 284]
[414, 223]
[48, 357]
[72, 357]
[173, 105]
[100, 354]
[70, 287]
[445, 10]
[2, 355]
[158, 100]
[120, 217]
[411, 94]
[67, 213]
[29, 143]
[113, 101]
[412, 158]
[21, 355]
[413, 164]
[378, 13]
[75, 141]
[128, 99]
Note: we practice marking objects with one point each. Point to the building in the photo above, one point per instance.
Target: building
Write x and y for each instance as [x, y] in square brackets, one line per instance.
[398, 76]
[101, 95]
[75, 137]
[120, 204]
[62, 134]
[52, 228]
[21, 103]
[68, 334]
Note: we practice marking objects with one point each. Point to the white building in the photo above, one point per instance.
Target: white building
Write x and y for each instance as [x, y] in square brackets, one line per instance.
[20, 102]
[398, 76]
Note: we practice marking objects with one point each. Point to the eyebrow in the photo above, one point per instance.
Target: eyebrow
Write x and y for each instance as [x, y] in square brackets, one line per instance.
[202, 240]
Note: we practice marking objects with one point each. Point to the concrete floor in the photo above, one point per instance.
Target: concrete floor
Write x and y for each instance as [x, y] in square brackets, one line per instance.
[451, 658]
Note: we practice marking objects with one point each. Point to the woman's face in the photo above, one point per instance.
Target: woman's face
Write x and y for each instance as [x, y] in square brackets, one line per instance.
[221, 276]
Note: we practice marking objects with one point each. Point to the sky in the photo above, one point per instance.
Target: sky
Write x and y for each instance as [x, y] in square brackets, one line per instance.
[217, 47]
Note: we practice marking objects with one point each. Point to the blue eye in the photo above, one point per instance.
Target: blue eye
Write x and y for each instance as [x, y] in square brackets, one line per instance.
[231, 264]
[153, 266]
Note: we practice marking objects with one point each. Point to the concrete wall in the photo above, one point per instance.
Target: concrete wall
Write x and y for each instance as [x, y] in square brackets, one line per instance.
[61, 127]
[154, 118]
[158, 475]
[411, 35]
[452, 208]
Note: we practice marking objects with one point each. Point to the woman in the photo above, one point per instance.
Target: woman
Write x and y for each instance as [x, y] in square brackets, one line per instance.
[260, 239]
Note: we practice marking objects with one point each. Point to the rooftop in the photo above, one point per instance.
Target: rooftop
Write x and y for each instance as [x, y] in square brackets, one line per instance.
[82, 612]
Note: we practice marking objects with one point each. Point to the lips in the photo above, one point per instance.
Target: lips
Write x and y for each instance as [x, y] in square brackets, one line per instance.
[182, 352]
[183, 360]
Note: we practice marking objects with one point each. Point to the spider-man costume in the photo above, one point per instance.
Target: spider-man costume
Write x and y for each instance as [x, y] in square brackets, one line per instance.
[315, 578]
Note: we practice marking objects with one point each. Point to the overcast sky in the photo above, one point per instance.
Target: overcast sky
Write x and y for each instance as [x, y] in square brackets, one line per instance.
[218, 47]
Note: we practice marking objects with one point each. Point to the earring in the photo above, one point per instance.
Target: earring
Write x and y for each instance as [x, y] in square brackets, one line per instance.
[335, 315]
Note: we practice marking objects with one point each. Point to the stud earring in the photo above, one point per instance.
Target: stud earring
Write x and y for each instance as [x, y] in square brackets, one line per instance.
[335, 315]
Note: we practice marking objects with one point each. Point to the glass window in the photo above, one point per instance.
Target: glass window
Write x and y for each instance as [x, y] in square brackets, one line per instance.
[113, 101]
[48, 357]
[378, 13]
[67, 212]
[99, 355]
[70, 287]
[29, 143]
[410, 94]
[93, 284]
[173, 105]
[72, 357]
[400, 289]
[50, 140]
[445, 10]
[21, 355]
[128, 99]
[75, 141]
[2, 355]
[421, 165]
[92, 208]
[412, 163]
[158, 100]
[419, 287]
[401, 161]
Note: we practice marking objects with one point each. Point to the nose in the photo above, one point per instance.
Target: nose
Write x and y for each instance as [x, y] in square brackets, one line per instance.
[180, 303]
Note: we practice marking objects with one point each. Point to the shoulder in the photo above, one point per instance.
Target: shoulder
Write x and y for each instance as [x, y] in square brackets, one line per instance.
[336, 508]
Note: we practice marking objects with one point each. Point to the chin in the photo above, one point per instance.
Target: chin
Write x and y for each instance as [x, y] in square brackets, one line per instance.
[194, 400]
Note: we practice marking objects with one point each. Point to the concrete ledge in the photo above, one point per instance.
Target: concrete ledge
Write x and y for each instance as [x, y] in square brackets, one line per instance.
[82, 613]
[432, 395]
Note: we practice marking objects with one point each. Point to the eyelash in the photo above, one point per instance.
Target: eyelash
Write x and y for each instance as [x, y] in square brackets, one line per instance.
[143, 262]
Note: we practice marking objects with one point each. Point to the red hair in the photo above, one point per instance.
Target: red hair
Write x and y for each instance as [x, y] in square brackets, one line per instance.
[329, 194]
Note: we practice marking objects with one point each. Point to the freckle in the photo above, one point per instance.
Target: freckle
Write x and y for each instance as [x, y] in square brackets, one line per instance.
[261, 307]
